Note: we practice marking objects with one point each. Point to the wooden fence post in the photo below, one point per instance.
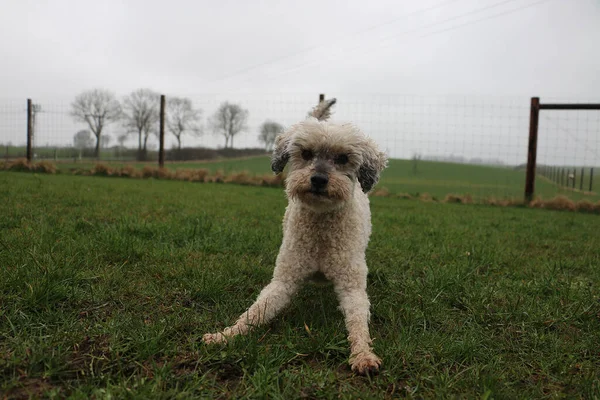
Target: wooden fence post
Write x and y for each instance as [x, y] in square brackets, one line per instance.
[532, 149]
[581, 180]
[29, 130]
[161, 149]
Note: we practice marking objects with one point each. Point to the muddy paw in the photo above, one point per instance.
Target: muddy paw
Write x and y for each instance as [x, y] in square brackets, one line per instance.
[211, 338]
[365, 363]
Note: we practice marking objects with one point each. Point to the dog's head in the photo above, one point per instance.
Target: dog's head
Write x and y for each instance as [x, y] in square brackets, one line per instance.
[326, 161]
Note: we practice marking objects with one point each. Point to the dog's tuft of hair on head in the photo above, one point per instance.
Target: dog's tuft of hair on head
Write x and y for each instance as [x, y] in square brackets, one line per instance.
[322, 111]
[280, 157]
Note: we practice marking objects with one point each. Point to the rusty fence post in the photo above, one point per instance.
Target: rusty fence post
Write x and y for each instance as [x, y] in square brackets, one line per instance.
[534, 117]
[29, 130]
[161, 149]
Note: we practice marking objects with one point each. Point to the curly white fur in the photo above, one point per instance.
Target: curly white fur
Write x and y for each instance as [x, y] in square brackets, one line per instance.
[326, 228]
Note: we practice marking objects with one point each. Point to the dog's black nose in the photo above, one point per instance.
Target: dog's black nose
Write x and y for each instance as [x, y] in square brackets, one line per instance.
[319, 181]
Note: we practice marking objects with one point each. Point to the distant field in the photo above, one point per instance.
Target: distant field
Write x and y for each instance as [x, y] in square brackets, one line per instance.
[436, 178]
[107, 284]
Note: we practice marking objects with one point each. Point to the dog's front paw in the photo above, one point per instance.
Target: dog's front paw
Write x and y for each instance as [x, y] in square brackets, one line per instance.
[365, 363]
[211, 338]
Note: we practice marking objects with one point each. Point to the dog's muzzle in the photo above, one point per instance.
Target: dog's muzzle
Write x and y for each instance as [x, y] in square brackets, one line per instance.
[318, 183]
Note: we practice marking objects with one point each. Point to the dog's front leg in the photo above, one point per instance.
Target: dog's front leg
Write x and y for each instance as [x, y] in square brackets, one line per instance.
[355, 306]
[274, 297]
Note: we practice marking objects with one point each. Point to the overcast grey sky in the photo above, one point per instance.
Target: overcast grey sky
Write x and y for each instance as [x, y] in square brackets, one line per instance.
[52, 50]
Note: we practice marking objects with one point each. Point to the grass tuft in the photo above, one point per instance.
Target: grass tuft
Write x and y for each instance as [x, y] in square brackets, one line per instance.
[240, 178]
[560, 203]
[455, 198]
[426, 197]
[381, 192]
[587, 206]
[45, 167]
[404, 196]
[129, 171]
[102, 170]
[22, 165]
[192, 175]
[271, 180]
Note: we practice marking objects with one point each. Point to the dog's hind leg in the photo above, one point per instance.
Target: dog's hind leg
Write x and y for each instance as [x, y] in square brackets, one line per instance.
[355, 306]
[272, 299]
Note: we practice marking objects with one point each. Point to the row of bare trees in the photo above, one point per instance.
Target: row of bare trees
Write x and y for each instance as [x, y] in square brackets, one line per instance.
[139, 115]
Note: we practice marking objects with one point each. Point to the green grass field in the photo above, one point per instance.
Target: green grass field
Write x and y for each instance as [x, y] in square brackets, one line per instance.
[107, 284]
[435, 178]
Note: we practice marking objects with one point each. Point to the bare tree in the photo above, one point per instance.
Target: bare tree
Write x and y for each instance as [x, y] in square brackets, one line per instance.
[105, 141]
[141, 116]
[122, 139]
[182, 118]
[268, 132]
[97, 108]
[228, 121]
[83, 140]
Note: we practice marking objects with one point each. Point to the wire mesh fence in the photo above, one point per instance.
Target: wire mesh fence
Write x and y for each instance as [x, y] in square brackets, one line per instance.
[438, 144]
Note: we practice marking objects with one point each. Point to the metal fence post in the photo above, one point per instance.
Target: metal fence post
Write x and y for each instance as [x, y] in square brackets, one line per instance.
[161, 150]
[29, 130]
[532, 148]
[581, 180]
[591, 177]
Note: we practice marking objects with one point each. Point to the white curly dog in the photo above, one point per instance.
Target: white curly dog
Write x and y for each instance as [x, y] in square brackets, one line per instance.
[326, 226]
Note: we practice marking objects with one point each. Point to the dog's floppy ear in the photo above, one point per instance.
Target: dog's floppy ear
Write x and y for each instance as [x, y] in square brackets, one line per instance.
[374, 161]
[281, 155]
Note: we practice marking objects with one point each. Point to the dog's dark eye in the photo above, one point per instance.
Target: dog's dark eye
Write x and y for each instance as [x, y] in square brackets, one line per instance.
[341, 159]
[307, 155]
